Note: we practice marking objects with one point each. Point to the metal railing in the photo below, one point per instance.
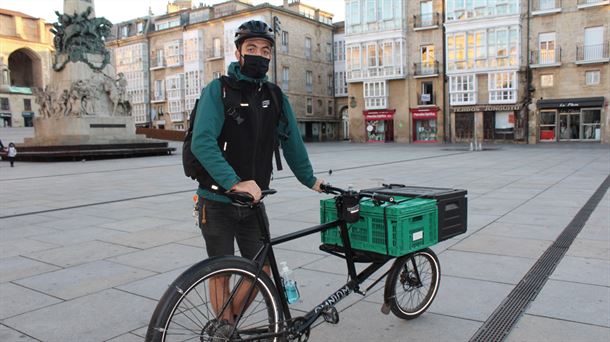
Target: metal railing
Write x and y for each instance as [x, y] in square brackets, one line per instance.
[426, 99]
[426, 20]
[586, 53]
[424, 69]
[545, 57]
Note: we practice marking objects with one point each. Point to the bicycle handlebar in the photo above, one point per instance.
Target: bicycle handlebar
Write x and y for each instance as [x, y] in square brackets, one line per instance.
[245, 198]
[329, 189]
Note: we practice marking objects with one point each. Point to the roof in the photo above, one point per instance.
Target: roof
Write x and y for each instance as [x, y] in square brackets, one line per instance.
[16, 14]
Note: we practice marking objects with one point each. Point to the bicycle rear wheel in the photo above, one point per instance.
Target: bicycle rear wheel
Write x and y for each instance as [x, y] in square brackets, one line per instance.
[188, 312]
[412, 283]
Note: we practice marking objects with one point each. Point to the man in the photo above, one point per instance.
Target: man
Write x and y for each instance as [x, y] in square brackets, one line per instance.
[236, 145]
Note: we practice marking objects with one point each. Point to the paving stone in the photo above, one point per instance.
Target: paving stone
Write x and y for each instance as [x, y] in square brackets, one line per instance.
[149, 238]
[583, 270]
[135, 223]
[98, 317]
[8, 334]
[525, 231]
[18, 267]
[496, 268]
[74, 236]
[78, 221]
[129, 337]
[501, 245]
[16, 247]
[152, 287]
[18, 232]
[574, 302]
[364, 322]
[162, 258]
[467, 298]
[83, 279]
[535, 328]
[80, 254]
[15, 300]
[590, 249]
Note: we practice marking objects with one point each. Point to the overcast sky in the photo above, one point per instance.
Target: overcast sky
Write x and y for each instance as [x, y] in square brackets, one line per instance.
[122, 10]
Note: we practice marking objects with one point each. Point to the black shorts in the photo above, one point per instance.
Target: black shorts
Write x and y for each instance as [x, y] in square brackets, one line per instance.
[223, 223]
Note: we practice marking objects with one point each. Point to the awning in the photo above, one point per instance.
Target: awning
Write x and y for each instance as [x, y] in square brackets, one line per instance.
[20, 90]
[6, 115]
[379, 114]
[424, 113]
[27, 114]
[597, 101]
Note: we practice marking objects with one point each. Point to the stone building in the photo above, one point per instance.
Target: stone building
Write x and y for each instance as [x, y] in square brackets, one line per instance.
[190, 47]
[26, 46]
[341, 98]
[570, 70]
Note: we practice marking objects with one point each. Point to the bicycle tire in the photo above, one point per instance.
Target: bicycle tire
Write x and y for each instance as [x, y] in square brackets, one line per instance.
[183, 311]
[403, 281]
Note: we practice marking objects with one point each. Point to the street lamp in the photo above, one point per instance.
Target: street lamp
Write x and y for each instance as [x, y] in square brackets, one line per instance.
[276, 29]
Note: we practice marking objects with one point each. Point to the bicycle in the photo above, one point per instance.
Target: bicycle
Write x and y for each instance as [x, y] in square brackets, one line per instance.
[186, 311]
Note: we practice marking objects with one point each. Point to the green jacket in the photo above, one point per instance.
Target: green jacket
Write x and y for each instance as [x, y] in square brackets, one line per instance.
[208, 125]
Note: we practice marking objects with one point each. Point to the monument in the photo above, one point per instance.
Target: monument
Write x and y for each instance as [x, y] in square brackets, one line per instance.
[84, 111]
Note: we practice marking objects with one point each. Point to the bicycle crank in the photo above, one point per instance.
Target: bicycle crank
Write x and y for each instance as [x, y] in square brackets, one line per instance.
[330, 315]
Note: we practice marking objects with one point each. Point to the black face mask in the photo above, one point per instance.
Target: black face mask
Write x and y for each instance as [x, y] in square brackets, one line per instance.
[255, 66]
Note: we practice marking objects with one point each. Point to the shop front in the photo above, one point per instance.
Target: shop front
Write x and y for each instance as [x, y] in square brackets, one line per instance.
[577, 119]
[379, 125]
[500, 123]
[424, 124]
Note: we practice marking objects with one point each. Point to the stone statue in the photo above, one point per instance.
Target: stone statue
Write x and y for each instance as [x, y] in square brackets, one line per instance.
[78, 38]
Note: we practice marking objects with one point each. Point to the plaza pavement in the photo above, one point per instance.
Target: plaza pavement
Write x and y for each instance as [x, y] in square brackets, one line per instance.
[88, 247]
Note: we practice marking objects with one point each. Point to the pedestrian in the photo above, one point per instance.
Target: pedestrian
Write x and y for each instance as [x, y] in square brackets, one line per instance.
[11, 153]
[248, 135]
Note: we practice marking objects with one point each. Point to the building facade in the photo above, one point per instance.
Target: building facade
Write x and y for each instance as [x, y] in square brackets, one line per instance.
[341, 103]
[26, 47]
[570, 70]
[190, 47]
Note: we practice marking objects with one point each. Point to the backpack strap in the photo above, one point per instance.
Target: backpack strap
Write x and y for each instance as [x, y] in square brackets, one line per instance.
[277, 99]
[231, 98]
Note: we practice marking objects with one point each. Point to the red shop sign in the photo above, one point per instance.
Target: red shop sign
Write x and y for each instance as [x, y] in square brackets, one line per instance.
[379, 114]
[423, 113]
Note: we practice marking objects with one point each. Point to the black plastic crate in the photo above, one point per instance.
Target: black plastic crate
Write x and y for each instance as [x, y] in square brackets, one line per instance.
[452, 205]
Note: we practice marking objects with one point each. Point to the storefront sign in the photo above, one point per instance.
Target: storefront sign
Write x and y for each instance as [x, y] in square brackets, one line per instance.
[382, 114]
[423, 113]
[486, 108]
[425, 97]
[591, 102]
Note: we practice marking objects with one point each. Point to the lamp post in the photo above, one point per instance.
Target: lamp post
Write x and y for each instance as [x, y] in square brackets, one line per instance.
[276, 28]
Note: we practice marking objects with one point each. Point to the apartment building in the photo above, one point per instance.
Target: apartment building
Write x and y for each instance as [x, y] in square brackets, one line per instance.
[426, 89]
[376, 70]
[486, 70]
[570, 67]
[341, 103]
[190, 47]
[26, 47]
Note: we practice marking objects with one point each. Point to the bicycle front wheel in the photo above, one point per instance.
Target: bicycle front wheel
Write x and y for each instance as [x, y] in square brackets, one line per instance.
[219, 299]
[412, 283]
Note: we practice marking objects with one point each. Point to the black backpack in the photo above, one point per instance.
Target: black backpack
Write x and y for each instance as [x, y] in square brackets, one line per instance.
[193, 168]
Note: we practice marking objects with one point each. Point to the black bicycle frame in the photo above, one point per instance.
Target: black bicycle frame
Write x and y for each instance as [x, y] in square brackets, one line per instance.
[355, 279]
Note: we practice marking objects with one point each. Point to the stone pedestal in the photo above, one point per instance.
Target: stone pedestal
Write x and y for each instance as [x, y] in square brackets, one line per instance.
[84, 131]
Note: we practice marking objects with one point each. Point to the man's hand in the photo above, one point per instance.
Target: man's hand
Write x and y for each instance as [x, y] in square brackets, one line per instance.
[316, 186]
[250, 187]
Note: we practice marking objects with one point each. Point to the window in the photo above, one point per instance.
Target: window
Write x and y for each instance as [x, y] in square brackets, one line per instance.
[427, 93]
[330, 107]
[354, 12]
[216, 74]
[503, 87]
[425, 10]
[371, 55]
[427, 57]
[173, 53]
[591, 127]
[594, 43]
[340, 84]
[387, 10]
[309, 81]
[175, 87]
[27, 105]
[375, 95]
[159, 58]
[546, 81]
[546, 43]
[371, 11]
[353, 58]
[285, 78]
[140, 27]
[216, 52]
[309, 106]
[592, 77]
[4, 105]
[330, 85]
[548, 121]
[339, 50]
[547, 4]
[125, 31]
[462, 89]
[467, 9]
[284, 41]
[329, 52]
[159, 90]
[307, 47]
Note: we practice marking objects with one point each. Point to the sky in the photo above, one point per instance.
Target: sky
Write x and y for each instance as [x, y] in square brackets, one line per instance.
[122, 10]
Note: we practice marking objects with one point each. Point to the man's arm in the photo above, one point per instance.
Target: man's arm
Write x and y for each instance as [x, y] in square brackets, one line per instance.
[295, 152]
[207, 128]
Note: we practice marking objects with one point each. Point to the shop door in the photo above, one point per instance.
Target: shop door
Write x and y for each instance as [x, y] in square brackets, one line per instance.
[569, 126]
[308, 132]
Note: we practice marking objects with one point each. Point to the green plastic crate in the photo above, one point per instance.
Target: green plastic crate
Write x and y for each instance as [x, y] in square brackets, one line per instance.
[412, 225]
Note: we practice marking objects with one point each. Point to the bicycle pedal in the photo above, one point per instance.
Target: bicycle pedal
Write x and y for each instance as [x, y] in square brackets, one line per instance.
[331, 315]
[385, 309]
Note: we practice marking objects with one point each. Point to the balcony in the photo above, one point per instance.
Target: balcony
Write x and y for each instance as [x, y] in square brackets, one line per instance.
[426, 21]
[387, 72]
[212, 54]
[592, 54]
[426, 99]
[176, 117]
[591, 3]
[428, 69]
[156, 64]
[544, 7]
[545, 58]
[157, 98]
[174, 61]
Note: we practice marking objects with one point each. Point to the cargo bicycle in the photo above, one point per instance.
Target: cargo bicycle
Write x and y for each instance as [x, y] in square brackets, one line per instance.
[190, 311]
